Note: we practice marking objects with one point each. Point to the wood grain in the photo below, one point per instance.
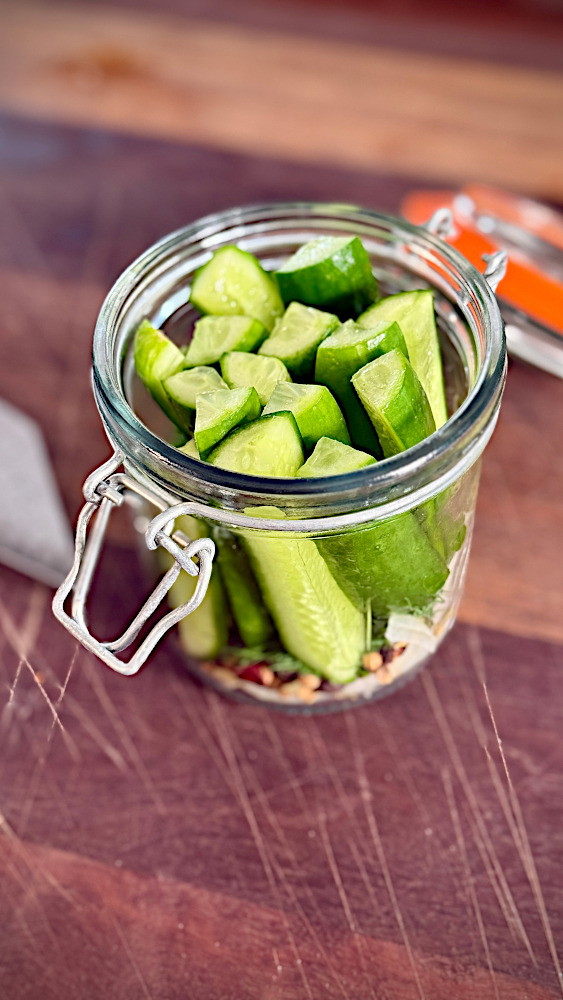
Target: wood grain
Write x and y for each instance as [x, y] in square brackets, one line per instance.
[264, 92]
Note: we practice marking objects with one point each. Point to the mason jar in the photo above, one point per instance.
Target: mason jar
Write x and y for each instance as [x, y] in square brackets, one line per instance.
[355, 578]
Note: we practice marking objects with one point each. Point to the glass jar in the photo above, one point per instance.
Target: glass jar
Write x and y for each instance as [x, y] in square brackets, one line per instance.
[349, 582]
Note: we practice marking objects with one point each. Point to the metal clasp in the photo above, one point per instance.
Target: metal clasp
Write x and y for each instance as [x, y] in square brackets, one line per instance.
[495, 270]
[104, 490]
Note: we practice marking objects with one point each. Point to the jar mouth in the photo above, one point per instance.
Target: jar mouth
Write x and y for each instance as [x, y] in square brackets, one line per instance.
[151, 285]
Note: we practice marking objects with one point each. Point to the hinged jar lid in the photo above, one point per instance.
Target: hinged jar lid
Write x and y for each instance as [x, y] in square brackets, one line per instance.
[531, 295]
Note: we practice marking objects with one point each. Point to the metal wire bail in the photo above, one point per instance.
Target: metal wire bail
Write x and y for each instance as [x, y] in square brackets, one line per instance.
[105, 490]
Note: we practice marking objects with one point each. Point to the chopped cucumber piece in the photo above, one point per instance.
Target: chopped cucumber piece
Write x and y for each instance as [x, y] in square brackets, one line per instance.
[297, 335]
[215, 335]
[241, 370]
[156, 357]
[332, 272]
[340, 356]
[269, 446]
[315, 409]
[315, 620]
[185, 386]
[414, 312]
[233, 283]
[249, 611]
[203, 633]
[392, 565]
[190, 448]
[395, 402]
[219, 411]
[331, 458]
[182, 389]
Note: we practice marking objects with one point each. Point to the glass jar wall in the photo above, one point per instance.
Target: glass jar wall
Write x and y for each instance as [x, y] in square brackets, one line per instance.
[324, 591]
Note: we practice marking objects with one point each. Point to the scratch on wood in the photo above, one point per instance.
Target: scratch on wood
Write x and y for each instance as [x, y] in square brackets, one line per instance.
[482, 839]
[226, 741]
[512, 809]
[469, 881]
[29, 630]
[119, 726]
[14, 640]
[378, 844]
[133, 961]
[294, 784]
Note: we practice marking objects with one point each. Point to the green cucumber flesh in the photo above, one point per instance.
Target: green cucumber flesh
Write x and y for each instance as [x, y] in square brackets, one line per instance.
[156, 357]
[242, 370]
[250, 615]
[185, 386]
[332, 458]
[190, 448]
[234, 283]
[219, 411]
[269, 446]
[296, 336]
[414, 312]
[316, 622]
[315, 410]
[182, 389]
[332, 272]
[395, 402]
[213, 336]
[340, 356]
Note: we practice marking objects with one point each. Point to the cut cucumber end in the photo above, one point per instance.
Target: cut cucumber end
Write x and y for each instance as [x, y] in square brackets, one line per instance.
[395, 402]
[269, 446]
[332, 458]
[234, 283]
[219, 411]
[315, 410]
[214, 336]
[414, 312]
[242, 370]
[296, 336]
[183, 388]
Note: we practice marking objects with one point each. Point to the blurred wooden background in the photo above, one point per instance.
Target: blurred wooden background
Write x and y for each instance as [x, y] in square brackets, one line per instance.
[406, 88]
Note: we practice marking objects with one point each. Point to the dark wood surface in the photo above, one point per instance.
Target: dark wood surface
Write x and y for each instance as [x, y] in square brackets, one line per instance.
[161, 842]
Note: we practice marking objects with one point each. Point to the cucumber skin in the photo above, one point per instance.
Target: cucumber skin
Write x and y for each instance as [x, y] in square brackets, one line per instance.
[444, 517]
[301, 285]
[251, 618]
[151, 348]
[315, 620]
[406, 419]
[337, 378]
[418, 355]
[392, 564]
[310, 425]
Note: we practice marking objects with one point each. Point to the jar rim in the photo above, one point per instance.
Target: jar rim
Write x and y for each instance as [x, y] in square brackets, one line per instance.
[462, 437]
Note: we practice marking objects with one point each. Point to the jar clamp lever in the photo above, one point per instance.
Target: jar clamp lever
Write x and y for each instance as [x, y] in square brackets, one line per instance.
[104, 490]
